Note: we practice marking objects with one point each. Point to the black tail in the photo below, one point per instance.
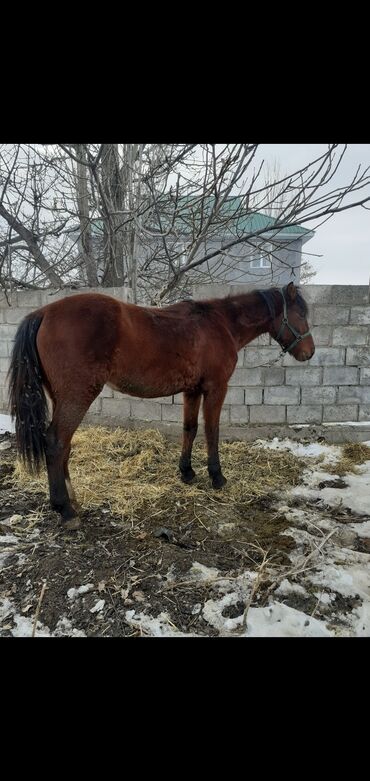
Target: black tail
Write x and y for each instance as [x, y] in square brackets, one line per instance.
[28, 403]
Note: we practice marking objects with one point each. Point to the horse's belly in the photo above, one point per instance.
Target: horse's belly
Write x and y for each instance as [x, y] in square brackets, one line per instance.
[161, 378]
[151, 390]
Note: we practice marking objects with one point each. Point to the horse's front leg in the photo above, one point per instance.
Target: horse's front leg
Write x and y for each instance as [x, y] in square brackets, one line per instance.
[191, 411]
[213, 401]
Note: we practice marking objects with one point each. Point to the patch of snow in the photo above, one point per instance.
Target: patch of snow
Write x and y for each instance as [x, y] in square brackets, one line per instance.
[324, 597]
[349, 581]
[72, 593]
[23, 625]
[201, 572]
[21, 558]
[362, 625]
[12, 519]
[279, 620]
[356, 495]
[8, 538]
[362, 529]
[312, 450]
[64, 628]
[161, 626]
[362, 423]
[276, 620]
[286, 587]
[6, 424]
[212, 613]
[98, 606]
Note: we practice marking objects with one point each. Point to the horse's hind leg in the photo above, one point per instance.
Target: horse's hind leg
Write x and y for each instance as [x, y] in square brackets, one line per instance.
[191, 411]
[67, 417]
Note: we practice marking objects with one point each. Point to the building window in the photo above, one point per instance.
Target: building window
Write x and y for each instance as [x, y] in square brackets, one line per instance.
[261, 262]
[180, 253]
[263, 259]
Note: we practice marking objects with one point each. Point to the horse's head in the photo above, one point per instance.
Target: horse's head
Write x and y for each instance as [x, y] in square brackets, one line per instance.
[290, 327]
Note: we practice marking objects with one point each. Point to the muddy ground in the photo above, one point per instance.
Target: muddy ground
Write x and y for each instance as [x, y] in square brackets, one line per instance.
[142, 567]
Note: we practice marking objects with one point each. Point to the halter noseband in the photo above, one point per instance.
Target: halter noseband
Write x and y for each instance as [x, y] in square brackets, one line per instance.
[284, 322]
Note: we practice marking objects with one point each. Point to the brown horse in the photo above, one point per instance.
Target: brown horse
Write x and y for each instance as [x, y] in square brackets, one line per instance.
[69, 349]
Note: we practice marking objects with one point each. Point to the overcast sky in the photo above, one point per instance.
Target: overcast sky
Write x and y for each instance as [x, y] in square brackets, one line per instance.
[343, 243]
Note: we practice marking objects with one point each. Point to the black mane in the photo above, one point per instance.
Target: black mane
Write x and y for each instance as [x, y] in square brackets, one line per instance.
[272, 295]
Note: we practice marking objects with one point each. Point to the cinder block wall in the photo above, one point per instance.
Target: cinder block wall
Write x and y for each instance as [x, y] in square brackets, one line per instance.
[333, 387]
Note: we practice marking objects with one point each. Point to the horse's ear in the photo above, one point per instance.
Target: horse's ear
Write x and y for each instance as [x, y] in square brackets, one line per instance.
[291, 291]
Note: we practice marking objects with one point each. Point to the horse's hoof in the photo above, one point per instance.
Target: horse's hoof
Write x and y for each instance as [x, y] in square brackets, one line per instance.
[219, 482]
[188, 477]
[72, 523]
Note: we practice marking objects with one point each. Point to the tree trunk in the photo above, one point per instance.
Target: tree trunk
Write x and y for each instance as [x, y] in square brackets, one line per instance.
[85, 240]
[113, 190]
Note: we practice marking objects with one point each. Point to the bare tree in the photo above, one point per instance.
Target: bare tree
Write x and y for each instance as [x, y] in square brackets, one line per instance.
[307, 273]
[155, 217]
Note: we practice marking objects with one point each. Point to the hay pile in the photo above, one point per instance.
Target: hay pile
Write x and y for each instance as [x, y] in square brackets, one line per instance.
[353, 454]
[136, 472]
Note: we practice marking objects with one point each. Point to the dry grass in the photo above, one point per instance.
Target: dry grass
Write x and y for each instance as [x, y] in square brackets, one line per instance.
[131, 472]
[353, 454]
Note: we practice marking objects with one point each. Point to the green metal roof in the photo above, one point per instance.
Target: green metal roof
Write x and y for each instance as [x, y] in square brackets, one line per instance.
[244, 221]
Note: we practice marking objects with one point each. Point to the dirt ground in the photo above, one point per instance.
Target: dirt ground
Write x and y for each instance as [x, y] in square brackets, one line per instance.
[90, 582]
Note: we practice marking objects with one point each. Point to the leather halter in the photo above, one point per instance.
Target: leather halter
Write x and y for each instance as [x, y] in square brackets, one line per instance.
[284, 323]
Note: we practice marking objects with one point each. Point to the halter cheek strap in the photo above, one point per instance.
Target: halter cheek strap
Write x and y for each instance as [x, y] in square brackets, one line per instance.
[284, 323]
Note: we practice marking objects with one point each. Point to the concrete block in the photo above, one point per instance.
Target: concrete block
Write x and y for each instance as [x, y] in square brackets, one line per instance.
[173, 412]
[31, 299]
[305, 375]
[360, 315]
[281, 395]
[365, 376]
[253, 396]
[340, 412]
[235, 396]
[350, 294]
[273, 376]
[353, 394]
[328, 356]
[116, 408]
[260, 356]
[321, 335]
[340, 375]
[239, 414]
[358, 356]
[350, 335]
[321, 395]
[330, 315]
[243, 377]
[267, 414]
[144, 409]
[304, 413]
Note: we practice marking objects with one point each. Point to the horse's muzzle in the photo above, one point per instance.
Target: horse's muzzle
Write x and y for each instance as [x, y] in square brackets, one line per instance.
[305, 355]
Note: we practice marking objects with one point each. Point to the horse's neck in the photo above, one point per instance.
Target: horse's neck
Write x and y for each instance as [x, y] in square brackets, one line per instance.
[246, 316]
